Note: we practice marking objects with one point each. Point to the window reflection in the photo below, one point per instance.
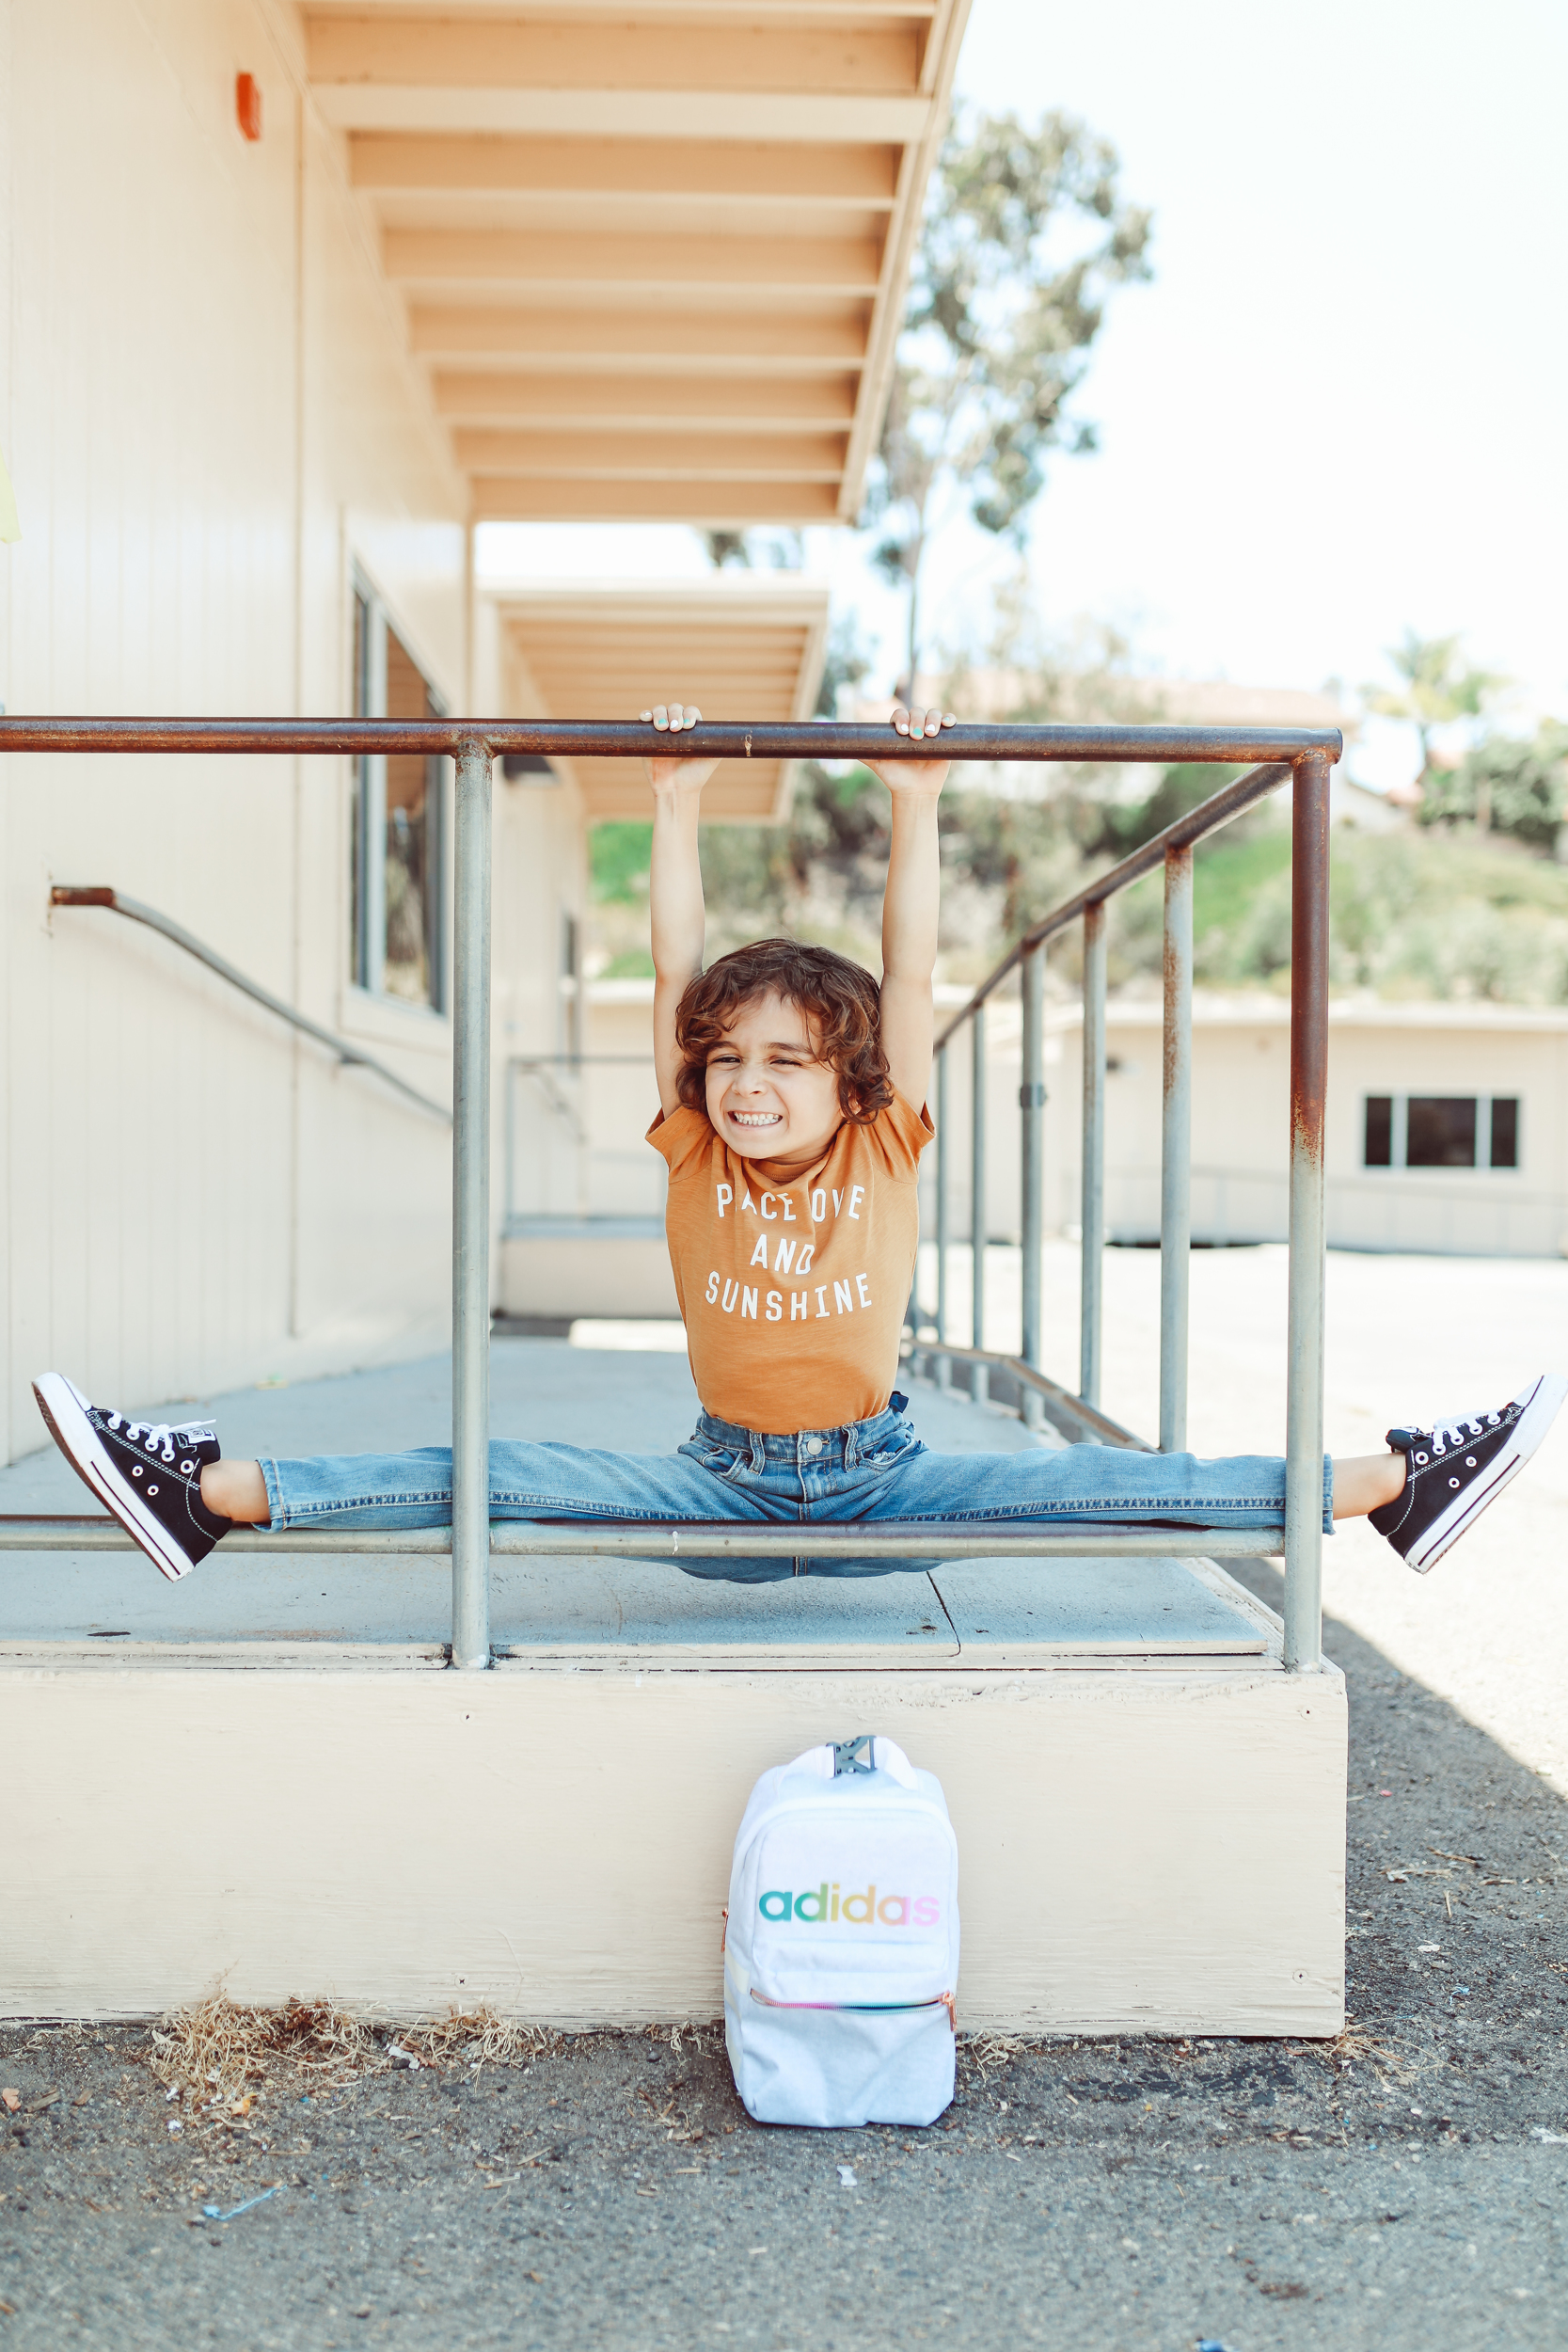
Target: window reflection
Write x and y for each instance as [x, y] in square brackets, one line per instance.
[398, 891]
[412, 858]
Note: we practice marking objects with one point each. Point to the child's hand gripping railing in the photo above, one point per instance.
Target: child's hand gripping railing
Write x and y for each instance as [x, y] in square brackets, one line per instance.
[1303, 754]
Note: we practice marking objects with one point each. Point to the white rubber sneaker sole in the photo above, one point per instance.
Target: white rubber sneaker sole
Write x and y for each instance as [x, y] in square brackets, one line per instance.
[1541, 1402]
[65, 1414]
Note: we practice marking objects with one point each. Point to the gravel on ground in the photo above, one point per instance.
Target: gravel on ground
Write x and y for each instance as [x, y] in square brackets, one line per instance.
[1405, 2186]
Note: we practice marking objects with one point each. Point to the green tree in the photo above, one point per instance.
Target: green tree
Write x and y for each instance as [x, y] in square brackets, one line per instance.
[1435, 688]
[1024, 236]
[1508, 785]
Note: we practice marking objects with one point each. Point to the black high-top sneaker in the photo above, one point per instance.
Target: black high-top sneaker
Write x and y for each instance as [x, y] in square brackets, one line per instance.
[148, 1473]
[1455, 1469]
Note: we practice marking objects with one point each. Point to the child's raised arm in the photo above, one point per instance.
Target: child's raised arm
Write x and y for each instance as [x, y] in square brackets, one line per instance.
[674, 888]
[910, 907]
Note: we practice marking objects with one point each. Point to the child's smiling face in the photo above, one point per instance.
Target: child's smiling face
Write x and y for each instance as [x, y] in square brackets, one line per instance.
[767, 1094]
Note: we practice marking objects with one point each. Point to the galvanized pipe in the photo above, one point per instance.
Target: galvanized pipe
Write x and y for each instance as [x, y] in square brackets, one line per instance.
[942, 1194]
[876, 1539]
[1304, 1411]
[1031, 1103]
[1175, 1151]
[353, 1058]
[1091, 1307]
[978, 1197]
[470, 1216]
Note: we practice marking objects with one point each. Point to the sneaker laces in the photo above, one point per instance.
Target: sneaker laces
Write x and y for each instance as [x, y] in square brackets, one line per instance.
[1451, 1430]
[153, 1437]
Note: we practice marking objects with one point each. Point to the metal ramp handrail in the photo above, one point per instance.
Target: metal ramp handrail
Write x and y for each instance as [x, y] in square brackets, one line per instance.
[1304, 754]
[351, 1055]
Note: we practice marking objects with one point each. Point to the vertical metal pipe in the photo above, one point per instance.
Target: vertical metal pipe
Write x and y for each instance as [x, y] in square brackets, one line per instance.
[1091, 1308]
[979, 1379]
[1031, 1103]
[1175, 1151]
[471, 1216]
[1304, 1415]
[942, 1193]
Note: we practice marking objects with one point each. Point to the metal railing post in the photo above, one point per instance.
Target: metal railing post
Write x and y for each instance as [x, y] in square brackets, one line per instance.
[942, 1193]
[1304, 1415]
[1091, 1306]
[980, 1378]
[1031, 1103]
[1175, 1151]
[471, 1216]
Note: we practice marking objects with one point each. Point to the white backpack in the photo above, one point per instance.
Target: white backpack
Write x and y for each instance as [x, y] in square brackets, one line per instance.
[841, 1947]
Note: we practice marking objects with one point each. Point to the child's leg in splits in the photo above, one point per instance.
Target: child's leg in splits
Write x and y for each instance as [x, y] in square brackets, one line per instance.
[171, 1489]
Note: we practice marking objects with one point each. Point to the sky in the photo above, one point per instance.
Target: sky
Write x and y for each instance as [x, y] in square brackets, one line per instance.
[1338, 409]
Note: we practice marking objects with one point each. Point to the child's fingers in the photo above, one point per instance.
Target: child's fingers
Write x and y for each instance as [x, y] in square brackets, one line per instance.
[920, 724]
[671, 718]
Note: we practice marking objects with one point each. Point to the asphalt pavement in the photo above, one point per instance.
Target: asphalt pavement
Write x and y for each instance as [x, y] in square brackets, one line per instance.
[1407, 2187]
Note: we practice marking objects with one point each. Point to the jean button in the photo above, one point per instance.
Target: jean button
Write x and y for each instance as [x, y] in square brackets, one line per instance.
[813, 1445]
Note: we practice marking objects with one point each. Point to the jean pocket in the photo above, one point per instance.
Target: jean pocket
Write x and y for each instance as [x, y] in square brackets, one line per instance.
[900, 1448]
[721, 1459]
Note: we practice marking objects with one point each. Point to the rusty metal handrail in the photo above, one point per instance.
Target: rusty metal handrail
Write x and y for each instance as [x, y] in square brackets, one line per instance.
[591, 739]
[1307, 769]
[1306, 754]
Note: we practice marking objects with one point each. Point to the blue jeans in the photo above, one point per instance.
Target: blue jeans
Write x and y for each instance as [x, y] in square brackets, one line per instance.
[868, 1470]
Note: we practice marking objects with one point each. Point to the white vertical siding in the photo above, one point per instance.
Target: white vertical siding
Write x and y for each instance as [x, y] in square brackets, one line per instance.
[208, 417]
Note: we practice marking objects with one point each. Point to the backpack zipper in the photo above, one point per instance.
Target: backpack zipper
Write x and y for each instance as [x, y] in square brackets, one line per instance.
[942, 2000]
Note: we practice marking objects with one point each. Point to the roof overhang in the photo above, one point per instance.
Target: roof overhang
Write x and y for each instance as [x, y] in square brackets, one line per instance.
[740, 645]
[653, 253]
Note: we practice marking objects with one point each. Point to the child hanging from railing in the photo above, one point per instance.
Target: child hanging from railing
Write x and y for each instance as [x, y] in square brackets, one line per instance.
[791, 1088]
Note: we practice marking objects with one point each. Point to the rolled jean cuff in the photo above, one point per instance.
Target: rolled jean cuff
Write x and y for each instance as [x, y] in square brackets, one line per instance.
[276, 1509]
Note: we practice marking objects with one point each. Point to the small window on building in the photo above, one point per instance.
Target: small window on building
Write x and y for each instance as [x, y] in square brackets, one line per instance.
[399, 879]
[1380, 1132]
[1505, 1131]
[1441, 1131]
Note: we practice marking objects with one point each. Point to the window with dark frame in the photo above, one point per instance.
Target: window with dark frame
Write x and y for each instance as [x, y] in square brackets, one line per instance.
[1479, 1131]
[1440, 1131]
[398, 859]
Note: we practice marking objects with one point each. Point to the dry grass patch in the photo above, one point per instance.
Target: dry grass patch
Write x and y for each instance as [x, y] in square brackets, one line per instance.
[219, 2046]
[216, 2049]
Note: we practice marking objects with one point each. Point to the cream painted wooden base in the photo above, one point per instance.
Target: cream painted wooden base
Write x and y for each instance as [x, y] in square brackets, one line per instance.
[1144, 1846]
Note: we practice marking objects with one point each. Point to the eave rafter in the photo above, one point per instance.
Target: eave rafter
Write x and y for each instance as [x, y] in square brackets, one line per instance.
[652, 251]
[747, 646]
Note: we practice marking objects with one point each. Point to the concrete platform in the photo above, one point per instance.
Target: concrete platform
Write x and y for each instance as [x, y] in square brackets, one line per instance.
[263, 1776]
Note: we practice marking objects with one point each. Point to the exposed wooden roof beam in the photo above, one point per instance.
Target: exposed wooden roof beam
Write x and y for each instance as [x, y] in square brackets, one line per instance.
[839, 12]
[594, 112]
[805, 173]
[658, 456]
[438, 51]
[651, 264]
[716, 505]
[632, 403]
[799, 338]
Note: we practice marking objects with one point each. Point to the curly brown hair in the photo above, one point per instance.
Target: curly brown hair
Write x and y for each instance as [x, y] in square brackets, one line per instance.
[841, 1000]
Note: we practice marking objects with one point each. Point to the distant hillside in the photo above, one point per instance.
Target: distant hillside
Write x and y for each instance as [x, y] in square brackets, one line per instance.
[1436, 913]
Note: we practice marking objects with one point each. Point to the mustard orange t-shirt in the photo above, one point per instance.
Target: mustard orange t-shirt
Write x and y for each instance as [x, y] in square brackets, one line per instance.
[792, 1289]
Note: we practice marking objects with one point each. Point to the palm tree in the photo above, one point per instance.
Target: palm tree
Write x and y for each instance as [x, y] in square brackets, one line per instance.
[1437, 689]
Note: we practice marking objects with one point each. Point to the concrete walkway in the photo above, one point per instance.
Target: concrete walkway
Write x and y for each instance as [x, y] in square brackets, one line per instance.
[1409, 1338]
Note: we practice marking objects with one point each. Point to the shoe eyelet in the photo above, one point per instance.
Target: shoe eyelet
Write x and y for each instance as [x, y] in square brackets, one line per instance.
[1420, 1457]
[185, 1468]
[135, 1469]
[1469, 1461]
[152, 1489]
[1453, 1481]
